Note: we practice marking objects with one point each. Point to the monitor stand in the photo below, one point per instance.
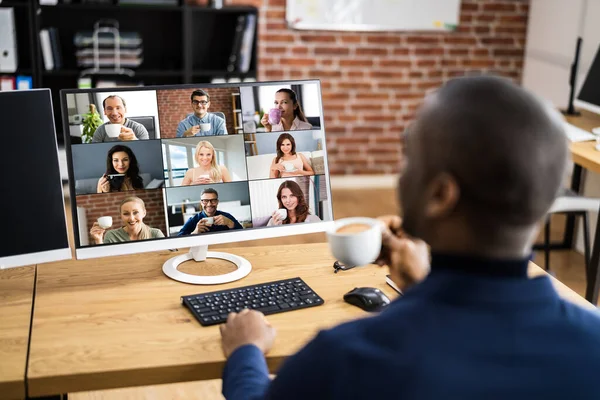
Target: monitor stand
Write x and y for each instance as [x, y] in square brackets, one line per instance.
[201, 253]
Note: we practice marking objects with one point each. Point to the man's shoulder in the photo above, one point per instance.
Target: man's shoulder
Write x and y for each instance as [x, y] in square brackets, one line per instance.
[226, 214]
[133, 124]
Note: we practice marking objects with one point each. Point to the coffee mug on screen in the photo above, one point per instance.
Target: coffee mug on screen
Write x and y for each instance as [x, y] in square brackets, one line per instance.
[289, 167]
[209, 221]
[105, 222]
[282, 212]
[205, 127]
[113, 130]
[274, 116]
[355, 241]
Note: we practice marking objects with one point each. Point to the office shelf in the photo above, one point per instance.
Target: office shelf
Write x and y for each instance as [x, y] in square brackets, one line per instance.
[181, 43]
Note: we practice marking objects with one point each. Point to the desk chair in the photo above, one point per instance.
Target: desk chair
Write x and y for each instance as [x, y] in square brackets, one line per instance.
[570, 202]
[219, 114]
[148, 123]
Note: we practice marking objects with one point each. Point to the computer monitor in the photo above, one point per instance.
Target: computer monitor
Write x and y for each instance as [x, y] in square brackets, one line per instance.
[589, 95]
[222, 167]
[32, 203]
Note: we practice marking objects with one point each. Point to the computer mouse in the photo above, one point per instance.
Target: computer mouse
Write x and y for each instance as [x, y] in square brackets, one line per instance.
[367, 298]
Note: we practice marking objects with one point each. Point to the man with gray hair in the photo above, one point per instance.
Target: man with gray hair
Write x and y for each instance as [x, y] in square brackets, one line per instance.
[115, 108]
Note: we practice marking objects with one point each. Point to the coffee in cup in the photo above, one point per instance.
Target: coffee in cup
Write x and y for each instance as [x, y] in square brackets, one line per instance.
[205, 127]
[355, 241]
[274, 116]
[113, 130]
[105, 222]
[353, 228]
[289, 167]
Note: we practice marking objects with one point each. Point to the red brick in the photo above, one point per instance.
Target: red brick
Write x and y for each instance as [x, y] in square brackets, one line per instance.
[508, 52]
[318, 38]
[498, 41]
[429, 51]
[340, 51]
[467, 40]
[356, 63]
[371, 51]
[395, 63]
[378, 39]
[423, 39]
[472, 7]
[307, 62]
[351, 38]
[500, 7]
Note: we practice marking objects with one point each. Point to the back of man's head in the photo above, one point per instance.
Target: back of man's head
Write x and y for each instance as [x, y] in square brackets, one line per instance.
[505, 150]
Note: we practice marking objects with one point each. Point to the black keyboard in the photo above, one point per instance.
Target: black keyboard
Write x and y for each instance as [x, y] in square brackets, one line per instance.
[269, 298]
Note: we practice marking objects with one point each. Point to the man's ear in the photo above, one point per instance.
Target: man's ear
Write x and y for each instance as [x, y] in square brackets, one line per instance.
[444, 194]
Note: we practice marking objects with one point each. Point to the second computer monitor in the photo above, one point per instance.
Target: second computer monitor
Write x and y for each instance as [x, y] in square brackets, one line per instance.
[190, 165]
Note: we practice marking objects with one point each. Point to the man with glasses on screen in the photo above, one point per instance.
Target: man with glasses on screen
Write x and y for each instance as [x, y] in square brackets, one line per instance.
[210, 219]
[201, 122]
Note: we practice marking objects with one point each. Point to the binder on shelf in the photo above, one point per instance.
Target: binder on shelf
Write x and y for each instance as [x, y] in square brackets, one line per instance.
[8, 41]
[24, 82]
[237, 42]
[7, 83]
[245, 54]
[55, 45]
[46, 49]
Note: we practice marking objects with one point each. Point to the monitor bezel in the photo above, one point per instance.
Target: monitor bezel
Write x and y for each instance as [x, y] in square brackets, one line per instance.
[170, 242]
[584, 104]
[46, 256]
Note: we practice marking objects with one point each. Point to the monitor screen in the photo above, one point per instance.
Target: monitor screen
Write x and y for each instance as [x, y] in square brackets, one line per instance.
[589, 95]
[163, 167]
[32, 205]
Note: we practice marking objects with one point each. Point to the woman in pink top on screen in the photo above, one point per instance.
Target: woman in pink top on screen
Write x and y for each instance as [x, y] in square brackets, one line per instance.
[207, 170]
[288, 162]
[292, 116]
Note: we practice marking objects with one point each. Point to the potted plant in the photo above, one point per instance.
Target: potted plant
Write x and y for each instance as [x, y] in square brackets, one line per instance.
[91, 122]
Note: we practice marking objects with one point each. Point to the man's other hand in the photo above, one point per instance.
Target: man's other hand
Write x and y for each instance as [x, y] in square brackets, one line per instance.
[247, 327]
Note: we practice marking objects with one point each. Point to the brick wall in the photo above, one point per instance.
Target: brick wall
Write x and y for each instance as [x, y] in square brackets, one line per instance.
[175, 105]
[107, 204]
[372, 83]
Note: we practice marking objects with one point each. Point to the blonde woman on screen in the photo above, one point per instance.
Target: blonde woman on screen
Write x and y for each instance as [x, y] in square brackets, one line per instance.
[132, 211]
[207, 170]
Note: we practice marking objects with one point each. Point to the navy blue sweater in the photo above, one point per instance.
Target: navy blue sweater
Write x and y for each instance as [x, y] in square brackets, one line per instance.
[474, 329]
[191, 223]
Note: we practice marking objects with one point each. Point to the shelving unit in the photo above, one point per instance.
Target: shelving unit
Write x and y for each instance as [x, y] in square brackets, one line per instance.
[236, 104]
[181, 43]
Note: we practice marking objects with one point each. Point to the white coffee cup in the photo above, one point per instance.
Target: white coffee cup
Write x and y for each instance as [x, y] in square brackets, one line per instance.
[105, 222]
[282, 212]
[288, 166]
[113, 130]
[205, 127]
[209, 221]
[359, 247]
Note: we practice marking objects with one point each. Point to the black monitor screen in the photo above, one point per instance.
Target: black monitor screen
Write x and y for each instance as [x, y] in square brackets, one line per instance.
[590, 91]
[31, 203]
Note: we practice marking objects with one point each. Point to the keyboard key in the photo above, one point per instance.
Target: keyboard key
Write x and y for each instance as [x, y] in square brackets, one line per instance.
[269, 298]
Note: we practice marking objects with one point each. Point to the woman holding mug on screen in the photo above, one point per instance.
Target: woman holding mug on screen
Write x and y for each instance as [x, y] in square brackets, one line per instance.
[207, 170]
[132, 211]
[290, 116]
[287, 162]
[292, 206]
[122, 171]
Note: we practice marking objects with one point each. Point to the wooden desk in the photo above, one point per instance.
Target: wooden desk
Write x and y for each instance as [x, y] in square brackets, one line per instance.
[16, 296]
[585, 155]
[118, 322]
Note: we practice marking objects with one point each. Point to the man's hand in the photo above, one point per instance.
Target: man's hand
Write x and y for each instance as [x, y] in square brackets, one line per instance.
[223, 220]
[127, 134]
[406, 257]
[192, 131]
[201, 227]
[247, 327]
